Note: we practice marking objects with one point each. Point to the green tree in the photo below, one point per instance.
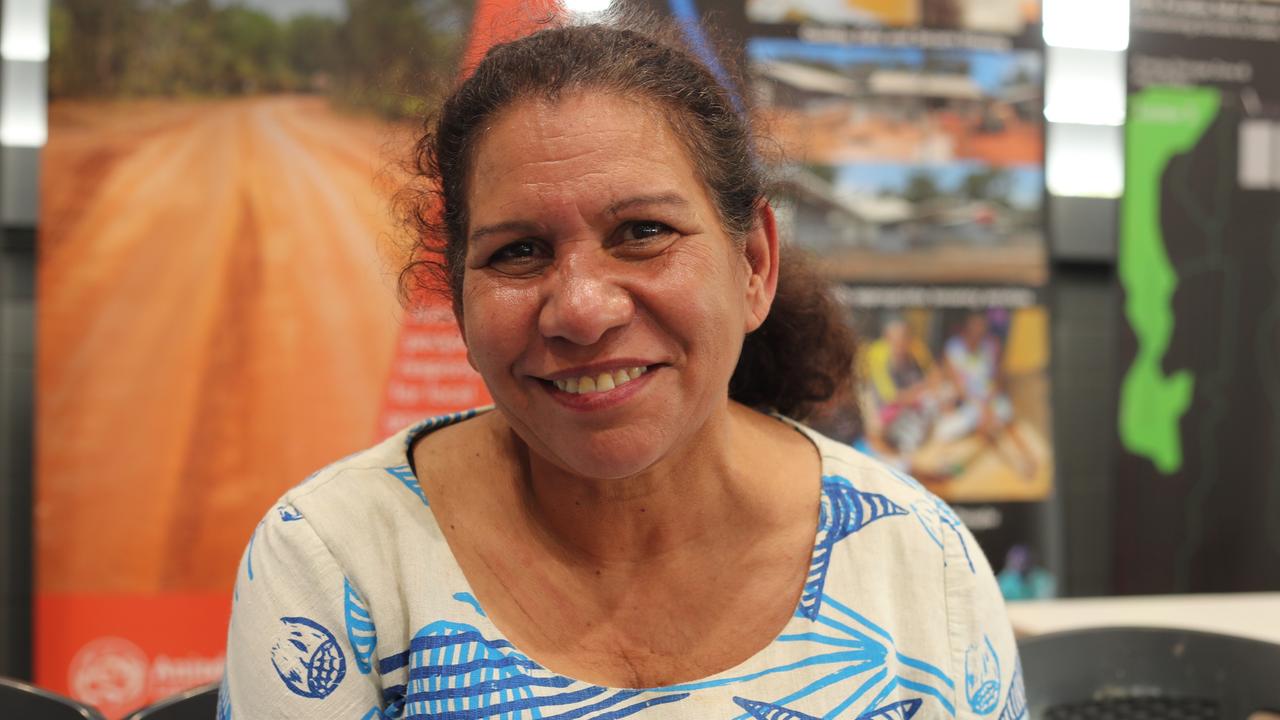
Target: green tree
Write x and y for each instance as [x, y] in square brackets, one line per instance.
[990, 183]
[255, 48]
[921, 187]
[391, 56]
[312, 49]
[90, 45]
[399, 53]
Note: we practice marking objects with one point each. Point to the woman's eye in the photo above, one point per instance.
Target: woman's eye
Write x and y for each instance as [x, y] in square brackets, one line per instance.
[644, 230]
[517, 255]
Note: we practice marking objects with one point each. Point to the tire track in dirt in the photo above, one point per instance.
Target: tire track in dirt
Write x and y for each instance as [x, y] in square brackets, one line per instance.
[338, 145]
[88, 142]
[324, 331]
[338, 285]
[121, 325]
[302, 334]
[215, 325]
[215, 452]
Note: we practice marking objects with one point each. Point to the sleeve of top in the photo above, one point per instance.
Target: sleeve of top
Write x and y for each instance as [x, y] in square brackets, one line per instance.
[297, 630]
[983, 650]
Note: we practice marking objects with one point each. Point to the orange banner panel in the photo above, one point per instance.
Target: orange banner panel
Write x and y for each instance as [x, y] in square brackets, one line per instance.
[122, 651]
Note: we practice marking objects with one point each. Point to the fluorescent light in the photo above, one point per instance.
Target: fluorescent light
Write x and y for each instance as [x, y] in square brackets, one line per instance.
[1078, 115]
[1084, 87]
[23, 108]
[1084, 160]
[28, 134]
[1086, 24]
[24, 30]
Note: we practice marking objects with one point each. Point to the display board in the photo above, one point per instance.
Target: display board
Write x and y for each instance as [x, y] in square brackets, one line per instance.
[217, 310]
[1198, 481]
[910, 142]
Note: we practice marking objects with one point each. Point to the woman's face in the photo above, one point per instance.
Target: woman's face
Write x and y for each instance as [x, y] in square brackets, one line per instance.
[603, 303]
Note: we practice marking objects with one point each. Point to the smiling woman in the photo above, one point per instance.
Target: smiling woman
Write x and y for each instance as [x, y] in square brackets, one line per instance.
[597, 249]
[640, 526]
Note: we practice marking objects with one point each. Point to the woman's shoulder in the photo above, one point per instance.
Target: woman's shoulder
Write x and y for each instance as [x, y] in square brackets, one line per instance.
[841, 461]
[899, 522]
[901, 555]
[379, 474]
[372, 493]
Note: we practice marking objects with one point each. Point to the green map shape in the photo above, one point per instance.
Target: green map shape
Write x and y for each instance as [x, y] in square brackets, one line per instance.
[1163, 122]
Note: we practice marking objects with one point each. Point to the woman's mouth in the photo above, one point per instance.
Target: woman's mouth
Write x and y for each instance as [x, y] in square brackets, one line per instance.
[600, 382]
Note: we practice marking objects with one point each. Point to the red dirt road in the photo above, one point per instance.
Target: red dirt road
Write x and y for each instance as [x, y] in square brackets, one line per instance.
[216, 320]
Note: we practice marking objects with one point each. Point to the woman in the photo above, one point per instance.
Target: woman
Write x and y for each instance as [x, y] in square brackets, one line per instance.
[618, 537]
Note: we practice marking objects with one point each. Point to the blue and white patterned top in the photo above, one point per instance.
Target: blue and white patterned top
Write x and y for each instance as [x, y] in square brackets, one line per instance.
[349, 604]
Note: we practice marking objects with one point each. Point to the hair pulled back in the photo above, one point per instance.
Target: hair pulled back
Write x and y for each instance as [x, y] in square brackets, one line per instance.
[801, 355]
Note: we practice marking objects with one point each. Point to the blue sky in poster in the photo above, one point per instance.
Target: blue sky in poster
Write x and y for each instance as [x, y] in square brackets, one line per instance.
[992, 69]
[832, 54]
[989, 69]
[1025, 191]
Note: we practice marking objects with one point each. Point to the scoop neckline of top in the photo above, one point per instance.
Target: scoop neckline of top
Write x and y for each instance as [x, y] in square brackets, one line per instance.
[722, 677]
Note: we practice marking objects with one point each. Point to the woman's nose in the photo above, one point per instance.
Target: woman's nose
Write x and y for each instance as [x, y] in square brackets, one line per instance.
[584, 302]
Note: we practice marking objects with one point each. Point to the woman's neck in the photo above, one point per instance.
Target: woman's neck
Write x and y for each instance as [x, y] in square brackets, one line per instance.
[702, 490]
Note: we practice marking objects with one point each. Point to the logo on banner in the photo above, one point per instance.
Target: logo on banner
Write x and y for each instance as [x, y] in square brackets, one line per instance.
[116, 675]
[109, 672]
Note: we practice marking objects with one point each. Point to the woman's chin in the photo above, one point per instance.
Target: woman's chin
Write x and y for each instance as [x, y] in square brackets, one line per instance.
[601, 449]
[606, 457]
[606, 467]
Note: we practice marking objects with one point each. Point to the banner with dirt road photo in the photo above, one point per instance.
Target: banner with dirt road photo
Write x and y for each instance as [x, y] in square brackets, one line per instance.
[218, 312]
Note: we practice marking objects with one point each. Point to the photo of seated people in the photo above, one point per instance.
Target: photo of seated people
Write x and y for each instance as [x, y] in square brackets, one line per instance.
[957, 398]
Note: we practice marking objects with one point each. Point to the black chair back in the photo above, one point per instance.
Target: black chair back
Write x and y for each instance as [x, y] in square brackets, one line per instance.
[197, 703]
[20, 700]
[1123, 673]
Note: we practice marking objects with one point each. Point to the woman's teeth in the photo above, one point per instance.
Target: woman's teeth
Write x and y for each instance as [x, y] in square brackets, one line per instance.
[600, 383]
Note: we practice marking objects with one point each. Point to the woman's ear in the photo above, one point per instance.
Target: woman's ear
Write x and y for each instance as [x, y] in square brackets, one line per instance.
[761, 251]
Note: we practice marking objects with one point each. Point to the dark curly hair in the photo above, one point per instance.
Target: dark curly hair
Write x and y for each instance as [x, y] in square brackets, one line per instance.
[801, 355]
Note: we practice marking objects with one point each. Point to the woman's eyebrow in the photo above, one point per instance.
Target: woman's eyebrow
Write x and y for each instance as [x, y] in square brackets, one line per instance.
[522, 227]
[670, 198]
[525, 227]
